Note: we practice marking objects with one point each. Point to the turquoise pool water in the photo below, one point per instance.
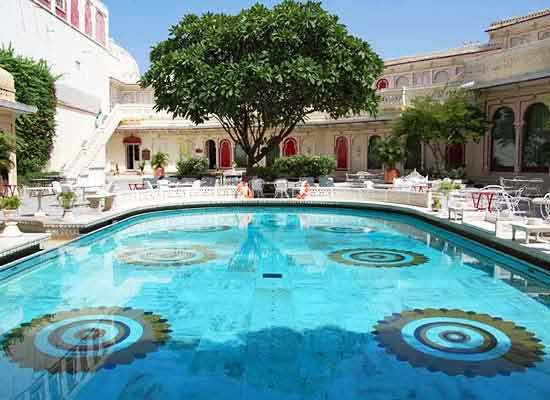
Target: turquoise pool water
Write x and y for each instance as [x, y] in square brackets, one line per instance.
[273, 304]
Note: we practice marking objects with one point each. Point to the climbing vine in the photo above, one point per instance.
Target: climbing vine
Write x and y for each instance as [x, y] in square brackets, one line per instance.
[34, 85]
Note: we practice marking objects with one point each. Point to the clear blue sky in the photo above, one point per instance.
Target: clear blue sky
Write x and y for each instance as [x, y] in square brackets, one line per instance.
[393, 27]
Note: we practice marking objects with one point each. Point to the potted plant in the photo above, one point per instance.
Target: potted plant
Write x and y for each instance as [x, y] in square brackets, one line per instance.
[10, 205]
[66, 201]
[436, 203]
[446, 187]
[390, 150]
[159, 161]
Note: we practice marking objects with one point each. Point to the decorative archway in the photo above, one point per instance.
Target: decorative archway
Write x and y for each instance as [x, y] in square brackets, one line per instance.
[503, 140]
[290, 147]
[536, 139]
[240, 156]
[455, 155]
[225, 154]
[132, 149]
[210, 147]
[341, 151]
[373, 161]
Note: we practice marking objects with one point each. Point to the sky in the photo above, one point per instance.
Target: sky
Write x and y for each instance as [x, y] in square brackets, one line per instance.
[394, 28]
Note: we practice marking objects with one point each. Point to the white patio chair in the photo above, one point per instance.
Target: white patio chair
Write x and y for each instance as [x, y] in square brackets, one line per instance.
[281, 188]
[257, 186]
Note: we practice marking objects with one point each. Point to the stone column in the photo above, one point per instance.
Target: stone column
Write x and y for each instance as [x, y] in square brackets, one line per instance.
[519, 146]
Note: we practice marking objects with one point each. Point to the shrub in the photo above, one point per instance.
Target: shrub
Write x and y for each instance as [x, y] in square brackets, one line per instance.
[303, 165]
[390, 150]
[10, 203]
[192, 167]
[265, 173]
[34, 85]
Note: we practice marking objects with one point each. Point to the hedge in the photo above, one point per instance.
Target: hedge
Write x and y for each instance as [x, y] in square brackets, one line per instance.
[34, 85]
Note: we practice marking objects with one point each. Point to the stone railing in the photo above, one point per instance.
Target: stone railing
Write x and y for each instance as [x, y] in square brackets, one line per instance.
[144, 198]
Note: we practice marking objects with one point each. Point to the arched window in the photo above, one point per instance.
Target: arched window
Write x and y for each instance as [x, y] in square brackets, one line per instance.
[414, 153]
[455, 155]
[341, 151]
[210, 146]
[536, 139]
[373, 162]
[240, 156]
[441, 77]
[273, 154]
[382, 84]
[402, 82]
[225, 154]
[88, 18]
[290, 147]
[75, 14]
[503, 140]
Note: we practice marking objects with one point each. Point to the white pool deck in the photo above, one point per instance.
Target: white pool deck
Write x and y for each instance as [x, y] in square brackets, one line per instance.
[27, 241]
[86, 219]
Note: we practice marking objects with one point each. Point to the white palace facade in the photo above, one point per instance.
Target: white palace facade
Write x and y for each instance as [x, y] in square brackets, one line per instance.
[106, 122]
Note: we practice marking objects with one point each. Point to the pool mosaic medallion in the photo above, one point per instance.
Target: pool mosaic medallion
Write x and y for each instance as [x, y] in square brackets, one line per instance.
[343, 229]
[378, 258]
[169, 256]
[86, 339]
[458, 342]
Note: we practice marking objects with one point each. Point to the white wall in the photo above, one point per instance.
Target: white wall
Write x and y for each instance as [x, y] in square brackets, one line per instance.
[84, 66]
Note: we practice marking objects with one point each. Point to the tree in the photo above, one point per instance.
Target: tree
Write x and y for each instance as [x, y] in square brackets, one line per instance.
[34, 85]
[441, 119]
[261, 72]
[7, 148]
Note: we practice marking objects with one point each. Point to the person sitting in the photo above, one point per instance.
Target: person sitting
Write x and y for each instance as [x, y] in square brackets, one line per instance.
[243, 190]
[304, 190]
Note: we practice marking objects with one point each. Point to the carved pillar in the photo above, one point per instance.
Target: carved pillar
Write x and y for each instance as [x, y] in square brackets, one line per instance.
[519, 146]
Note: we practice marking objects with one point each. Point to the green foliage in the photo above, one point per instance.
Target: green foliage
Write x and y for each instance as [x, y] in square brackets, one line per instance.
[66, 199]
[265, 173]
[303, 165]
[390, 150]
[159, 160]
[7, 147]
[192, 167]
[263, 71]
[447, 186]
[27, 178]
[10, 203]
[442, 119]
[34, 85]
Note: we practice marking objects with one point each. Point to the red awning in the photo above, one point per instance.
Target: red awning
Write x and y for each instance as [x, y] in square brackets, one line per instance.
[132, 140]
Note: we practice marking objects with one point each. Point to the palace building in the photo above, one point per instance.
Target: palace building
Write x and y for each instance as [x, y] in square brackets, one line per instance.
[106, 122]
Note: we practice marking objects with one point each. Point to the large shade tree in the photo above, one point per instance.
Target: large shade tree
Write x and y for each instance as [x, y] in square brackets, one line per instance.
[441, 119]
[261, 72]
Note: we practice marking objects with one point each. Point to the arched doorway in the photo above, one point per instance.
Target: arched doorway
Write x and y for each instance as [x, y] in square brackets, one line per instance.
[414, 154]
[503, 140]
[536, 139]
[455, 155]
[240, 156]
[373, 161]
[211, 153]
[273, 154]
[290, 147]
[132, 144]
[225, 154]
[341, 151]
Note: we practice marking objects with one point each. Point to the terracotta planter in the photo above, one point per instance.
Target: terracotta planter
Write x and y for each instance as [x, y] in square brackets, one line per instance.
[159, 172]
[390, 174]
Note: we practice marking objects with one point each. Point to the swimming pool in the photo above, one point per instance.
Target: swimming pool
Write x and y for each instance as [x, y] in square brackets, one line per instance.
[273, 303]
